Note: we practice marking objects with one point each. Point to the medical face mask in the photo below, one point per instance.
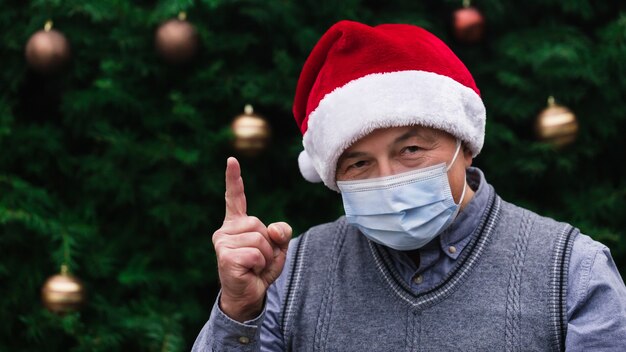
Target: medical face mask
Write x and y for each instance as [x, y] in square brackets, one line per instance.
[403, 211]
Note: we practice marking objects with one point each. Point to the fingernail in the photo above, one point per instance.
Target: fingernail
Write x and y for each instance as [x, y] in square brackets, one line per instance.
[276, 251]
[282, 233]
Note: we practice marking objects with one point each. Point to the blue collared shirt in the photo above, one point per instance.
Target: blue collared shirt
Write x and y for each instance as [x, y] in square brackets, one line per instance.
[596, 295]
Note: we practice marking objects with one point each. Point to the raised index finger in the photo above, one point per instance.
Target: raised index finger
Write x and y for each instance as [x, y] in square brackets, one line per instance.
[235, 196]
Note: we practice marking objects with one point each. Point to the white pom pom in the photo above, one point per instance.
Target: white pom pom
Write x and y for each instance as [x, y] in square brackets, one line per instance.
[307, 169]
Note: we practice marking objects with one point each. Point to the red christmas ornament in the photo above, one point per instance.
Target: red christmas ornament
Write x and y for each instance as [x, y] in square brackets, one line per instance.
[177, 40]
[469, 24]
[47, 50]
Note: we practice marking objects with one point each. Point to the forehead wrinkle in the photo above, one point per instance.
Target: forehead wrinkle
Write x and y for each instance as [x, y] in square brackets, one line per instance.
[416, 131]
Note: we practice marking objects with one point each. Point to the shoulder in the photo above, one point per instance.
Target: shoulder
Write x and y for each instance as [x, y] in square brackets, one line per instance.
[589, 264]
[585, 251]
[555, 237]
[511, 212]
[596, 299]
[591, 267]
[586, 255]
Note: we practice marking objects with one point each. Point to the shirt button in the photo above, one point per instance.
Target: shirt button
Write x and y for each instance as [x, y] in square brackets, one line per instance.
[418, 279]
[244, 340]
[452, 249]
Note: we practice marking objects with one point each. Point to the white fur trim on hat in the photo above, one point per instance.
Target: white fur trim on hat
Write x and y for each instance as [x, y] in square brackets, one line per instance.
[307, 169]
[391, 99]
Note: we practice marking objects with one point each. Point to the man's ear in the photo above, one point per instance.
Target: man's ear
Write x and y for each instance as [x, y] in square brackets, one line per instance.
[467, 156]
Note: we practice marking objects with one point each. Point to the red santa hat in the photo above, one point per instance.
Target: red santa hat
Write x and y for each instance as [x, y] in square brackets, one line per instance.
[360, 78]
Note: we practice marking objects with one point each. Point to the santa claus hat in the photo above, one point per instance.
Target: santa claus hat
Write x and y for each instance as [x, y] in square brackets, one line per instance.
[360, 78]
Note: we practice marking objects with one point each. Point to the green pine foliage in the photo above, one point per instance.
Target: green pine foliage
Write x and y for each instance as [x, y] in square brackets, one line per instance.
[115, 165]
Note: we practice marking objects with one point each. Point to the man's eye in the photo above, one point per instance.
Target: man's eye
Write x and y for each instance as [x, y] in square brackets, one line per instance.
[410, 149]
[358, 164]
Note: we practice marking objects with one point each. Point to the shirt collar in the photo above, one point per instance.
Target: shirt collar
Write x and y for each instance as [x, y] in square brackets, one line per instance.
[457, 235]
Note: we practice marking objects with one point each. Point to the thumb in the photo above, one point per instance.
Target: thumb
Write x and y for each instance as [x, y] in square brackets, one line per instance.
[280, 233]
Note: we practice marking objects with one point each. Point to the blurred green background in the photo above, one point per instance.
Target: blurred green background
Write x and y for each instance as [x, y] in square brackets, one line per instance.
[115, 164]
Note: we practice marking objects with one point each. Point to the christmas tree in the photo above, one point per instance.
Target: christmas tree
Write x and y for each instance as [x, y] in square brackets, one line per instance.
[114, 163]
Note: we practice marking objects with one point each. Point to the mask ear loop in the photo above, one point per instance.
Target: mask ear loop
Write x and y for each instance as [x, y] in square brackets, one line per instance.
[463, 194]
[456, 153]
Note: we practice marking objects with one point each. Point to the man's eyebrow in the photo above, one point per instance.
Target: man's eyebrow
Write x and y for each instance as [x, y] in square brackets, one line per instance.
[352, 155]
[407, 135]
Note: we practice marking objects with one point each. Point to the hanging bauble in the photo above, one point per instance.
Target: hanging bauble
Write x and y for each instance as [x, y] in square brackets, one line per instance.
[556, 124]
[63, 293]
[177, 40]
[469, 24]
[252, 132]
[47, 50]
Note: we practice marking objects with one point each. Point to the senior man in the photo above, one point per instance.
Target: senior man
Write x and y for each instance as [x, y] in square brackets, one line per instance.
[428, 257]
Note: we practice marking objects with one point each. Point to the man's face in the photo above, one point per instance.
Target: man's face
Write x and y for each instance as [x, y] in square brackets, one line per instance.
[394, 150]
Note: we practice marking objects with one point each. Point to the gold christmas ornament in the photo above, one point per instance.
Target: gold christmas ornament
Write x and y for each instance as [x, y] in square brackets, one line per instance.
[63, 292]
[556, 124]
[47, 50]
[468, 23]
[176, 40]
[252, 132]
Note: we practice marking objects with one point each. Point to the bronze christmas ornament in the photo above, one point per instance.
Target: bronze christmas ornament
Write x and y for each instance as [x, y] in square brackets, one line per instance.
[252, 132]
[177, 40]
[47, 50]
[63, 293]
[556, 124]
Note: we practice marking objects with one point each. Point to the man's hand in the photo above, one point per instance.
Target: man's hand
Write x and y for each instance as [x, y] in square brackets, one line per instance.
[250, 256]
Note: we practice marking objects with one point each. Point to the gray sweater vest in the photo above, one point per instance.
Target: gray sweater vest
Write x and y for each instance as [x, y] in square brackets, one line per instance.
[506, 293]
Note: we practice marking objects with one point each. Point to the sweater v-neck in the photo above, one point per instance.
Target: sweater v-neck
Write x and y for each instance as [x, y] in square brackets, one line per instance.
[465, 263]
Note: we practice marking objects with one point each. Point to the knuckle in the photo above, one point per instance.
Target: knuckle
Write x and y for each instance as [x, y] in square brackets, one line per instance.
[215, 238]
[260, 257]
[235, 257]
[253, 222]
[242, 257]
[259, 240]
[224, 258]
[257, 256]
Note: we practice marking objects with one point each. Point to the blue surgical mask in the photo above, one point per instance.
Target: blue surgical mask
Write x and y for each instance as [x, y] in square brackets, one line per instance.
[403, 211]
